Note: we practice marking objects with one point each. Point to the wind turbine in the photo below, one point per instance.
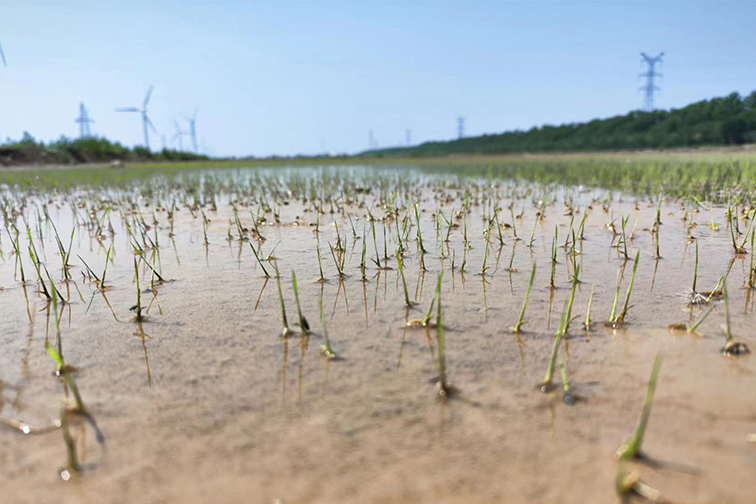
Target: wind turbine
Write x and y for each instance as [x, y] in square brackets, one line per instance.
[2, 56]
[146, 123]
[193, 129]
[84, 121]
[179, 135]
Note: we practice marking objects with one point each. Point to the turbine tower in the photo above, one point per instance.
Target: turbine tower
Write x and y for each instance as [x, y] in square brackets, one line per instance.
[146, 123]
[649, 88]
[84, 120]
[193, 129]
[408, 137]
[460, 127]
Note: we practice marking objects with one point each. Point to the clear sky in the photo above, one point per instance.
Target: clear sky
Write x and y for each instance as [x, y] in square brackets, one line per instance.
[306, 77]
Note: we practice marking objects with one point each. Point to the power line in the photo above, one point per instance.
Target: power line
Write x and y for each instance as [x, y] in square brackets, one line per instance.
[649, 88]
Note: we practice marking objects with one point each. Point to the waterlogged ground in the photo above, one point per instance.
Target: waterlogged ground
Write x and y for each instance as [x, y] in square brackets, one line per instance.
[203, 401]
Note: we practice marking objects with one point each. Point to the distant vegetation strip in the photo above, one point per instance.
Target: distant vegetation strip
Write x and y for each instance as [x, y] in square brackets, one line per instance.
[730, 120]
[65, 151]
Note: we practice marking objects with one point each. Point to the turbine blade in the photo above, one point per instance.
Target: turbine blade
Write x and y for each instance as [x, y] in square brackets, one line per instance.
[149, 123]
[128, 109]
[147, 98]
[2, 56]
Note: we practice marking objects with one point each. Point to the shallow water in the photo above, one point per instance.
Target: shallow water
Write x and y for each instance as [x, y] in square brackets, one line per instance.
[204, 401]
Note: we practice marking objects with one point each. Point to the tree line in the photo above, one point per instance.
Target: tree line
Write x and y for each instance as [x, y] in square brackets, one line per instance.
[730, 120]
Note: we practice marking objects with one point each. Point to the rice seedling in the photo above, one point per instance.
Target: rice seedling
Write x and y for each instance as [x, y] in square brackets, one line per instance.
[339, 262]
[657, 218]
[487, 245]
[632, 447]
[400, 267]
[19, 262]
[286, 330]
[552, 284]
[355, 237]
[588, 323]
[326, 349]
[581, 227]
[521, 320]
[695, 297]
[64, 371]
[514, 225]
[377, 259]
[532, 234]
[363, 276]
[657, 254]
[255, 227]
[738, 249]
[684, 328]
[623, 238]
[421, 248]
[564, 324]
[265, 272]
[731, 347]
[64, 255]
[617, 320]
[40, 280]
[155, 273]
[137, 308]
[322, 278]
[511, 268]
[303, 324]
[417, 323]
[105, 269]
[498, 226]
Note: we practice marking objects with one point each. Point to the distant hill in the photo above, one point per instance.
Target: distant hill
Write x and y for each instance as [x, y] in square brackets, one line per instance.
[730, 120]
[65, 151]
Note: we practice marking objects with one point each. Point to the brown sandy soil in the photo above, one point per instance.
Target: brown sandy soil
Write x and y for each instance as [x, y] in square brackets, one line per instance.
[208, 404]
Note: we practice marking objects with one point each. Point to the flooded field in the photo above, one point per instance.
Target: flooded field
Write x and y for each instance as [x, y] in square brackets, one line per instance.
[156, 346]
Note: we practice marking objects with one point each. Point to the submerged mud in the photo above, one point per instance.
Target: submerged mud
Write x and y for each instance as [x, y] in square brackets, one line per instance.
[203, 401]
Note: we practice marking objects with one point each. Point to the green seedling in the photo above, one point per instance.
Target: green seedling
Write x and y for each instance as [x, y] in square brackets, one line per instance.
[322, 278]
[146, 262]
[521, 321]
[632, 448]
[588, 323]
[64, 372]
[303, 324]
[400, 267]
[91, 274]
[105, 269]
[683, 328]
[265, 272]
[326, 349]
[616, 321]
[137, 308]
[564, 324]
[286, 329]
[429, 314]
[731, 347]
[419, 231]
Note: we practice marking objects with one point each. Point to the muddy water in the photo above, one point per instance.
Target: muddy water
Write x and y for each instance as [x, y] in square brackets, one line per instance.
[204, 402]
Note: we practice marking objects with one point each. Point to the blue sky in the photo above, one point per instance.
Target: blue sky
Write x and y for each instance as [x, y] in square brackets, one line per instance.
[306, 77]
